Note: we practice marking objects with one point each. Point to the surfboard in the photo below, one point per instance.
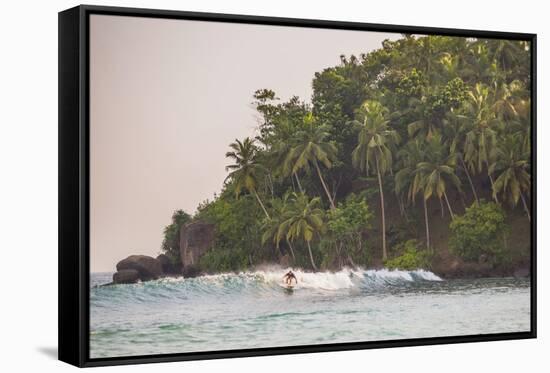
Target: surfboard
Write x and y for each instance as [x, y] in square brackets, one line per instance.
[287, 287]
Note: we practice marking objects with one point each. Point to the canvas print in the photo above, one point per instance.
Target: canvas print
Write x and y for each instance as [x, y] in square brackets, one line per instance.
[260, 186]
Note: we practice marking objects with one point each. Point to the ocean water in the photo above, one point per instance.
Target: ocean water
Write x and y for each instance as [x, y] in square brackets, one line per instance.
[251, 310]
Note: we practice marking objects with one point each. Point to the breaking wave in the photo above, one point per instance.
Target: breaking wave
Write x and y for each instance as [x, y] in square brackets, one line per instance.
[261, 283]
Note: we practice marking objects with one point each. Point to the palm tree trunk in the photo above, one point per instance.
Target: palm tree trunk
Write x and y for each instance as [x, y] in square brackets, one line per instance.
[261, 204]
[340, 254]
[269, 183]
[469, 179]
[298, 182]
[463, 202]
[525, 206]
[441, 208]
[449, 205]
[271, 187]
[332, 206]
[384, 251]
[311, 256]
[427, 225]
[335, 192]
[291, 250]
[493, 188]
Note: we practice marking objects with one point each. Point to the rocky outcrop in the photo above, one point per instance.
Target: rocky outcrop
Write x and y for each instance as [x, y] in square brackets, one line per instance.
[195, 239]
[126, 276]
[453, 267]
[148, 268]
[522, 272]
[168, 266]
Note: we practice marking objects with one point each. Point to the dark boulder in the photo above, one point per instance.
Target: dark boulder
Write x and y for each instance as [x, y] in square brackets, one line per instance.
[147, 267]
[126, 276]
[195, 240]
[168, 266]
[522, 272]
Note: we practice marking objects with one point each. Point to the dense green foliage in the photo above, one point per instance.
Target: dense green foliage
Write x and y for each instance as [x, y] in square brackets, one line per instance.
[409, 257]
[238, 234]
[171, 242]
[480, 231]
[425, 123]
[345, 224]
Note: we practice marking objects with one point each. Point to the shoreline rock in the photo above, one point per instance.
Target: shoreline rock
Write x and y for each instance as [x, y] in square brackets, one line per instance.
[196, 239]
[126, 276]
[168, 266]
[147, 268]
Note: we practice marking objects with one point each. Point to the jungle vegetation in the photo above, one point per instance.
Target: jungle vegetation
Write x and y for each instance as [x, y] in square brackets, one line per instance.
[424, 125]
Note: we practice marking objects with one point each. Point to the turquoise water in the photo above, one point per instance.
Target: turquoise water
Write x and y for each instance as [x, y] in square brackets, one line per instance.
[251, 310]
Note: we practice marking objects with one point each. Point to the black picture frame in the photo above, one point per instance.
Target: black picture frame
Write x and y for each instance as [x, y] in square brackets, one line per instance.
[74, 201]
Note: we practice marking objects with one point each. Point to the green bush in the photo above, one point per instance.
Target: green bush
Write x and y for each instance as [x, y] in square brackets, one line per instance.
[346, 224]
[216, 260]
[481, 230]
[237, 237]
[171, 241]
[410, 257]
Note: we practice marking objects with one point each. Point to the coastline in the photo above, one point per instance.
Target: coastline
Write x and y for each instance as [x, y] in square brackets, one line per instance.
[449, 270]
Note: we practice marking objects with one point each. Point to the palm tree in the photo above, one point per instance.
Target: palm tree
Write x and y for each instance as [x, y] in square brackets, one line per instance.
[480, 140]
[303, 220]
[512, 106]
[283, 142]
[374, 150]
[311, 149]
[244, 172]
[505, 52]
[427, 125]
[438, 171]
[274, 229]
[512, 168]
[409, 180]
[454, 131]
[428, 168]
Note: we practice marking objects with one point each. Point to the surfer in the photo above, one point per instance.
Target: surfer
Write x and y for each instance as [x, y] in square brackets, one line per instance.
[289, 276]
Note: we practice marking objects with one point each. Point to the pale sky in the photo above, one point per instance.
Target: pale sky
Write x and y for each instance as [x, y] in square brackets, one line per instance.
[166, 99]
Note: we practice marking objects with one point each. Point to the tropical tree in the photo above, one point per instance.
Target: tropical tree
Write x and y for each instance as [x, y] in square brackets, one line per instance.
[346, 224]
[409, 181]
[303, 220]
[244, 172]
[273, 229]
[480, 139]
[283, 142]
[171, 241]
[438, 172]
[427, 168]
[374, 150]
[311, 149]
[428, 112]
[454, 131]
[512, 169]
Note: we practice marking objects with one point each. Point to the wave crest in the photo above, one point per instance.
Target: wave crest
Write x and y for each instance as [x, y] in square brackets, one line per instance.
[270, 279]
